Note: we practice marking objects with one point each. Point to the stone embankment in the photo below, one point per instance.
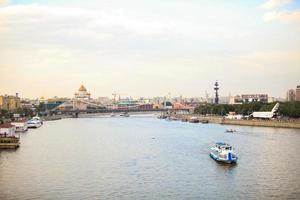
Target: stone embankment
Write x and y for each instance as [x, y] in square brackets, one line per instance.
[276, 123]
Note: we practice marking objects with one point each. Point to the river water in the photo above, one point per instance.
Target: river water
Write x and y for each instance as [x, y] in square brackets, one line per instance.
[142, 157]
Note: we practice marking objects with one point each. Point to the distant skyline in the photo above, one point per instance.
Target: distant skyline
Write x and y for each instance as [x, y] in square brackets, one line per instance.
[149, 48]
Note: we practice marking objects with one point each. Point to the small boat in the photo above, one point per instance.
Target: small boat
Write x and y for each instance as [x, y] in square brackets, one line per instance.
[168, 118]
[174, 118]
[204, 121]
[223, 152]
[230, 130]
[125, 114]
[112, 115]
[184, 120]
[162, 116]
[194, 120]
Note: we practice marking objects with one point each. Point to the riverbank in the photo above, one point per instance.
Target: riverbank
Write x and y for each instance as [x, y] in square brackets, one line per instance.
[275, 123]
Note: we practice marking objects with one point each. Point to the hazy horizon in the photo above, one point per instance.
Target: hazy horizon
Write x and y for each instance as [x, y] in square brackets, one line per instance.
[149, 48]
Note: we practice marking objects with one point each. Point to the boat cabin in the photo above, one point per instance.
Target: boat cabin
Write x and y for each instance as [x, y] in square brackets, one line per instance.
[7, 130]
[223, 146]
[21, 125]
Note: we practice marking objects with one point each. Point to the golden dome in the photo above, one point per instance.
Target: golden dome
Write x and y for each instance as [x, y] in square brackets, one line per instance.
[82, 88]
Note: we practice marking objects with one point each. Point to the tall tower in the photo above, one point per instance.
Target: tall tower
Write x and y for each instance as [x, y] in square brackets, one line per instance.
[216, 88]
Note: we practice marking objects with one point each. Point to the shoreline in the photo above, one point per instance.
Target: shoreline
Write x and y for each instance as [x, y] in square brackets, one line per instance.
[275, 123]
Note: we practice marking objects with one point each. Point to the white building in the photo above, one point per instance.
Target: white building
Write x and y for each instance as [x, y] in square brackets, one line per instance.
[82, 97]
[82, 94]
[21, 125]
[7, 130]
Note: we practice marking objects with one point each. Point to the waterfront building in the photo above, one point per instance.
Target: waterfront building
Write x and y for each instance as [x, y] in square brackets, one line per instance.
[9, 102]
[178, 105]
[235, 100]
[291, 95]
[167, 105]
[104, 101]
[7, 130]
[297, 93]
[246, 98]
[271, 99]
[146, 106]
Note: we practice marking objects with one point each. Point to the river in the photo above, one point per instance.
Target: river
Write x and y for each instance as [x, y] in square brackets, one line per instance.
[142, 157]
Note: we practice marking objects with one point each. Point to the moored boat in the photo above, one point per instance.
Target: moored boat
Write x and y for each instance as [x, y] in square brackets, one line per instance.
[8, 137]
[162, 116]
[223, 152]
[125, 114]
[35, 122]
[21, 125]
[204, 121]
[194, 120]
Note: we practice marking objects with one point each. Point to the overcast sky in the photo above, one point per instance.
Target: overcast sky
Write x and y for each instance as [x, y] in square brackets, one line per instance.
[149, 48]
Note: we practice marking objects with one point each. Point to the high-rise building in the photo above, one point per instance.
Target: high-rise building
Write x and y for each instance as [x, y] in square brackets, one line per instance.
[297, 93]
[291, 95]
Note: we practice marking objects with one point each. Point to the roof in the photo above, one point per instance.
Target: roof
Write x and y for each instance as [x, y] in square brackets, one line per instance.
[82, 88]
[20, 120]
[7, 125]
[222, 144]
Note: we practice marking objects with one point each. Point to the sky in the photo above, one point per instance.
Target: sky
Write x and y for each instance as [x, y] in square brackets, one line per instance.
[149, 47]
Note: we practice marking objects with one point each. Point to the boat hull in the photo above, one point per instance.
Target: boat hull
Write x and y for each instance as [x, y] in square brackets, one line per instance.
[36, 125]
[218, 159]
[9, 142]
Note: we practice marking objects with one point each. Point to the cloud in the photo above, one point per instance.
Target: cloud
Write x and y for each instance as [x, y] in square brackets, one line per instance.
[270, 4]
[283, 16]
[4, 2]
[81, 22]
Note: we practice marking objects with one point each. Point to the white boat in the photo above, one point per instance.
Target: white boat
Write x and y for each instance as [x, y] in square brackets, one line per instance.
[124, 114]
[21, 125]
[230, 130]
[35, 122]
[223, 152]
[112, 115]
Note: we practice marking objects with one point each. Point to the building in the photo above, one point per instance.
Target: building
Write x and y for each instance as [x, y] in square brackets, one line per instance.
[271, 99]
[246, 98]
[7, 130]
[82, 97]
[82, 94]
[235, 100]
[147, 106]
[297, 93]
[11, 103]
[291, 95]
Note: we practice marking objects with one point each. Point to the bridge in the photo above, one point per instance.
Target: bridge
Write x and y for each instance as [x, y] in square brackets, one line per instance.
[95, 108]
[75, 113]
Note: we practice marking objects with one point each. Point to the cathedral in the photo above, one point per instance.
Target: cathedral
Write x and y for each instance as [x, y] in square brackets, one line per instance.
[82, 97]
[82, 94]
